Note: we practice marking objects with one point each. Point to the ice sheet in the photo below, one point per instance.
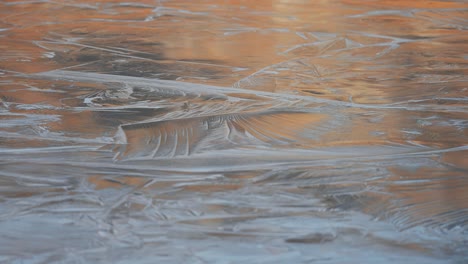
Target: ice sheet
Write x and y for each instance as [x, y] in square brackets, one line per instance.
[233, 131]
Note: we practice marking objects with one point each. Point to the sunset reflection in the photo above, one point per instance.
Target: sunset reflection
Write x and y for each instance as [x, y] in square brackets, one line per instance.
[233, 131]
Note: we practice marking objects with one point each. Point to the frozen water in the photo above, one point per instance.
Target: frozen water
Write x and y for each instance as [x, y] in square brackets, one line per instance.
[233, 131]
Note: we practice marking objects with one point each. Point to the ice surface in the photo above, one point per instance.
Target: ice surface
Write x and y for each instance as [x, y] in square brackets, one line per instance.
[233, 131]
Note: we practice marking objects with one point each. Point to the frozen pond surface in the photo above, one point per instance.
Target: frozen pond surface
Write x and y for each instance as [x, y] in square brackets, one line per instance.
[233, 131]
